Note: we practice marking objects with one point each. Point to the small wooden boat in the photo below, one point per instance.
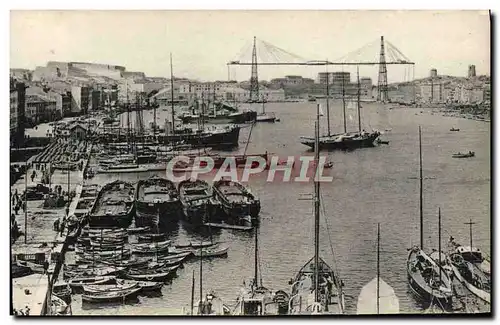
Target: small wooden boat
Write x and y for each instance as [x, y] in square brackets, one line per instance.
[157, 201]
[464, 155]
[110, 296]
[383, 141]
[127, 263]
[62, 290]
[236, 199]
[454, 130]
[94, 272]
[211, 251]
[80, 281]
[89, 289]
[147, 238]
[174, 256]
[59, 307]
[137, 230]
[160, 274]
[151, 248]
[194, 244]
[146, 286]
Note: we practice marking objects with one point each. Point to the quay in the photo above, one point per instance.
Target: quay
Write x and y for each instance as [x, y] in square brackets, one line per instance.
[39, 242]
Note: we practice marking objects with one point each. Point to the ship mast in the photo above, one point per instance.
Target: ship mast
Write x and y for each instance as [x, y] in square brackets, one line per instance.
[172, 93]
[316, 209]
[256, 270]
[421, 190]
[439, 244]
[378, 268]
[470, 223]
[343, 103]
[359, 104]
[328, 99]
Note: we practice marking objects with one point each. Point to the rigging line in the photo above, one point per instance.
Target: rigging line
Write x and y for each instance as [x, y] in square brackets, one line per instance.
[284, 51]
[243, 51]
[358, 51]
[398, 51]
[329, 237]
[270, 53]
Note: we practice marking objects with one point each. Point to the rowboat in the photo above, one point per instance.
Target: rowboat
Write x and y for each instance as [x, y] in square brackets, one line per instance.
[151, 237]
[152, 249]
[151, 275]
[110, 287]
[127, 263]
[138, 230]
[211, 251]
[110, 296]
[464, 155]
[146, 286]
[79, 282]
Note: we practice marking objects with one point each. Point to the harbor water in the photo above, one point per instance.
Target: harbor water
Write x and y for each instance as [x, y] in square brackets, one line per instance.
[370, 186]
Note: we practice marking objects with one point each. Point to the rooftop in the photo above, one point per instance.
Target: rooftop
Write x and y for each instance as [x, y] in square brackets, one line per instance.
[30, 291]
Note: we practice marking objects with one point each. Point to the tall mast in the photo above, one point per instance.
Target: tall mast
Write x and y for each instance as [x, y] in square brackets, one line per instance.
[421, 190]
[378, 268]
[316, 210]
[470, 223]
[26, 202]
[256, 259]
[343, 103]
[359, 100]
[172, 94]
[154, 121]
[201, 277]
[328, 98]
[439, 239]
[192, 295]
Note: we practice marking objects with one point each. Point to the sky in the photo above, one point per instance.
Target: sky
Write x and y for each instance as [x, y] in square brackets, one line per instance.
[202, 42]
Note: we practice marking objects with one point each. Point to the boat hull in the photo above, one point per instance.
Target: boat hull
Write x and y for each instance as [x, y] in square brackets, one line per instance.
[423, 291]
[484, 295]
[150, 214]
[345, 144]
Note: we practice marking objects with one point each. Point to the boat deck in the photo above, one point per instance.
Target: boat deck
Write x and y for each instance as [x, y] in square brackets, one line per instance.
[115, 201]
[154, 193]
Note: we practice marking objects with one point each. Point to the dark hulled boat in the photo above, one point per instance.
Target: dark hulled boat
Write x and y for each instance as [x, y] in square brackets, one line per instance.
[225, 118]
[114, 206]
[236, 200]
[156, 198]
[344, 141]
[195, 196]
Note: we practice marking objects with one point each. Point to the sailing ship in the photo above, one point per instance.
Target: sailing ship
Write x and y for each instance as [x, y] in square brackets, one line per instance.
[377, 297]
[345, 140]
[426, 278]
[156, 198]
[223, 113]
[114, 206]
[471, 268]
[265, 117]
[236, 200]
[316, 288]
[195, 196]
[257, 300]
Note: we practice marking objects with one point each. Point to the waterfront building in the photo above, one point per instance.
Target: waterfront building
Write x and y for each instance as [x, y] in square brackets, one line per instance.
[40, 109]
[79, 99]
[17, 112]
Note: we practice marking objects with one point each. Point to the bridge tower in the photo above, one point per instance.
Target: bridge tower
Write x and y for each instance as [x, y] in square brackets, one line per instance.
[382, 94]
[254, 80]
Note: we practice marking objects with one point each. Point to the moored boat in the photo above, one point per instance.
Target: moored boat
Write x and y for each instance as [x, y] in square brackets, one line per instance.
[114, 206]
[157, 201]
[236, 199]
[211, 251]
[104, 297]
[195, 196]
[464, 155]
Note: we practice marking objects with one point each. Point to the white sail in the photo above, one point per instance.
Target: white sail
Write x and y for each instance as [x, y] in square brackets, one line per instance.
[367, 300]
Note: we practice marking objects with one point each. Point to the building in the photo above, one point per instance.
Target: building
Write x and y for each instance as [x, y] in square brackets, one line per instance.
[366, 86]
[95, 101]
[335, 78]
[17, 112]
[21, 74]
[79, 100]
[434, 73]
[133, 75]
[78, 131]
[40, 109]
[291, 81]
[432, 92]
[472, 71]
[130, 88]
[487, 93]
